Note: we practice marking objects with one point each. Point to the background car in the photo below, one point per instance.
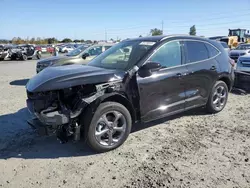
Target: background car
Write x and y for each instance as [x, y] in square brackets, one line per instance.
[242, 73]
[82, 55]
[241, 50]
[66, 49]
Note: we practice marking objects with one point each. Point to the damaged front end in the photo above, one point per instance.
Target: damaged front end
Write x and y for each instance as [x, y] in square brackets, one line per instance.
[58, 111]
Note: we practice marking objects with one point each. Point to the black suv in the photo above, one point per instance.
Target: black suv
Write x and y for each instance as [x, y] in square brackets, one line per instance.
[137, 80]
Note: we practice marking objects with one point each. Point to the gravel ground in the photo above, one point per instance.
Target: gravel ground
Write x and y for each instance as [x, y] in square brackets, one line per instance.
[190, 150]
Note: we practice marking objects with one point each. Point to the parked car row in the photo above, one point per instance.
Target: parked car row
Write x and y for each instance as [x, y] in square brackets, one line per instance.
[136, 80]
[20, 52]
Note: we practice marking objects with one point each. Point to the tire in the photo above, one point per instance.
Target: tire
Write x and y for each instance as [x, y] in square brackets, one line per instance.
[24, 57]
[1, 59]
[106, 109]
[38, 56]
[66, 51]
[219, 93]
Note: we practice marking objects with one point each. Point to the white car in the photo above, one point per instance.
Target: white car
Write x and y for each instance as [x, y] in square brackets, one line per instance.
[44, 49]
[66, 49]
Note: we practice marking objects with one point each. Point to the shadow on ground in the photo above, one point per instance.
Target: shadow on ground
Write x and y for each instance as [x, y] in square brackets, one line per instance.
[21, 82]
[23, 142]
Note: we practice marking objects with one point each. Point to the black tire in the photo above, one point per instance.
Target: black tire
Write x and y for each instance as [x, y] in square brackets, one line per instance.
[24, 57]
[211, 107]
[38, 55]
[1, 59]
[92, 126]
[66, 51]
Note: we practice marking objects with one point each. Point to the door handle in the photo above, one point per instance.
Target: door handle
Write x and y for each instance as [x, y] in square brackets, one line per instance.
[213, 68]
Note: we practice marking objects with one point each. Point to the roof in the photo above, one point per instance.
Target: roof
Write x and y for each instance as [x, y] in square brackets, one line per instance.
[162, 37]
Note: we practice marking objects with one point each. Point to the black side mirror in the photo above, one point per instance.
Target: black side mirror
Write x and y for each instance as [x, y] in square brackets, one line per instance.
[147, 69]
[85, 55]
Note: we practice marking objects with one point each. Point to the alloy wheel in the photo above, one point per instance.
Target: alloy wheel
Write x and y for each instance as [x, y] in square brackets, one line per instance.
[110, 128]
[219, 97]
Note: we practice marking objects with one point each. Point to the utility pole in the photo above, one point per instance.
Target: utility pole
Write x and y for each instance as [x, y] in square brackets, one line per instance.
[162, 25]
[105, 35]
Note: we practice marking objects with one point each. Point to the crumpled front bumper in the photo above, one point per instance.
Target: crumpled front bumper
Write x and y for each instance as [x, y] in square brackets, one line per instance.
[48, 117]
[41, 129]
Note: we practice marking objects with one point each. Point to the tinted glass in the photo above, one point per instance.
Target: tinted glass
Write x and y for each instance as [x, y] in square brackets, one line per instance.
[168, 55]
[96, 50]
[196, 51]
[212, 50]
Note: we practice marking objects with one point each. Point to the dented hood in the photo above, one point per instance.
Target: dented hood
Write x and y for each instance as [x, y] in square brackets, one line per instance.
[54, 78]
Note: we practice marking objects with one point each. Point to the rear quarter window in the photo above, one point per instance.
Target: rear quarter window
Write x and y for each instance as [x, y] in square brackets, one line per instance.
[196, 51]
[212, 50]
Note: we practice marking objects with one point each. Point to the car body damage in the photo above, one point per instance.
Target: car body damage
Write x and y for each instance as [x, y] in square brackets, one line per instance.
[58, 108]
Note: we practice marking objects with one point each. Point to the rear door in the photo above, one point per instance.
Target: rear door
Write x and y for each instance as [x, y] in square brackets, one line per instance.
[200, 60]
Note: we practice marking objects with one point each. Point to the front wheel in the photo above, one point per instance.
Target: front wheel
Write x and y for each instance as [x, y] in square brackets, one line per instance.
[109, 127]
[38, 55]
[24, 57]
[218, 97]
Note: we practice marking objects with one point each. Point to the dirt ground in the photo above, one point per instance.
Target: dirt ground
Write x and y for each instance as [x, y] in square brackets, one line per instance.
[189, 150]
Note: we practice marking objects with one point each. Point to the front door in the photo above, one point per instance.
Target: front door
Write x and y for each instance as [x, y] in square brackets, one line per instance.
[163, 93]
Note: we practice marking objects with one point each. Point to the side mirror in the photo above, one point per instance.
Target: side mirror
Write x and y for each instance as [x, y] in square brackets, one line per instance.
[147, 69]
[85, 55]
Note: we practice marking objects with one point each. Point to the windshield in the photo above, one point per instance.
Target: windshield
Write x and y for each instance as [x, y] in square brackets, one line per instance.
[76, 51]
[122, 55]
[243, 47]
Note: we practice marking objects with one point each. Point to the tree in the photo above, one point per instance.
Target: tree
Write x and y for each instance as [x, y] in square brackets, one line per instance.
[76, 40]
[82, 40]
[66, 40]
[140, 36]
[155, 32]
[88, 41]
[51, 40]
[192, 30]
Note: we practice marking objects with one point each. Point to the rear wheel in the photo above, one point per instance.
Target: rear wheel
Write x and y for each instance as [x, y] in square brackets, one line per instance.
[109, 127]
[66, 51]
[1, 59]
[218, 97]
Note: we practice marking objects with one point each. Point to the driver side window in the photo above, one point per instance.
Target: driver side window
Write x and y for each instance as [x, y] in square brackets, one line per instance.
[168, 55]
[97, 50]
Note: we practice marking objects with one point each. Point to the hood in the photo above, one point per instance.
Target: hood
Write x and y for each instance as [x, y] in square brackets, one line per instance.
[53, 59]
[238, 51]
[54, 78]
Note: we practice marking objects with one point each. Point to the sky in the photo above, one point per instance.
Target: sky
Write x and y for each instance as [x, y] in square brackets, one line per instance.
[89, 19]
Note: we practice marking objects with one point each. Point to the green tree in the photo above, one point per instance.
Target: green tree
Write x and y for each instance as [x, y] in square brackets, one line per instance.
[66, 40]
[155, 32]
[51, 40]
[140, 36]
[88, 41]
[76, 40]
[82, 40]
[192, 30]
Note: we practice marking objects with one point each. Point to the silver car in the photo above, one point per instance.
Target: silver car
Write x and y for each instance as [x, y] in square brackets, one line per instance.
[242, 72]
[241, 50]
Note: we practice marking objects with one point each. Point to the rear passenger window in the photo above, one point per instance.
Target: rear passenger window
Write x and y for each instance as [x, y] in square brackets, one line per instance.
[212, 50]
[196, 51]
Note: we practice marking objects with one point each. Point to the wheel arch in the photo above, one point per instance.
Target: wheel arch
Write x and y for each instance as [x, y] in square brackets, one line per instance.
[227, 81]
